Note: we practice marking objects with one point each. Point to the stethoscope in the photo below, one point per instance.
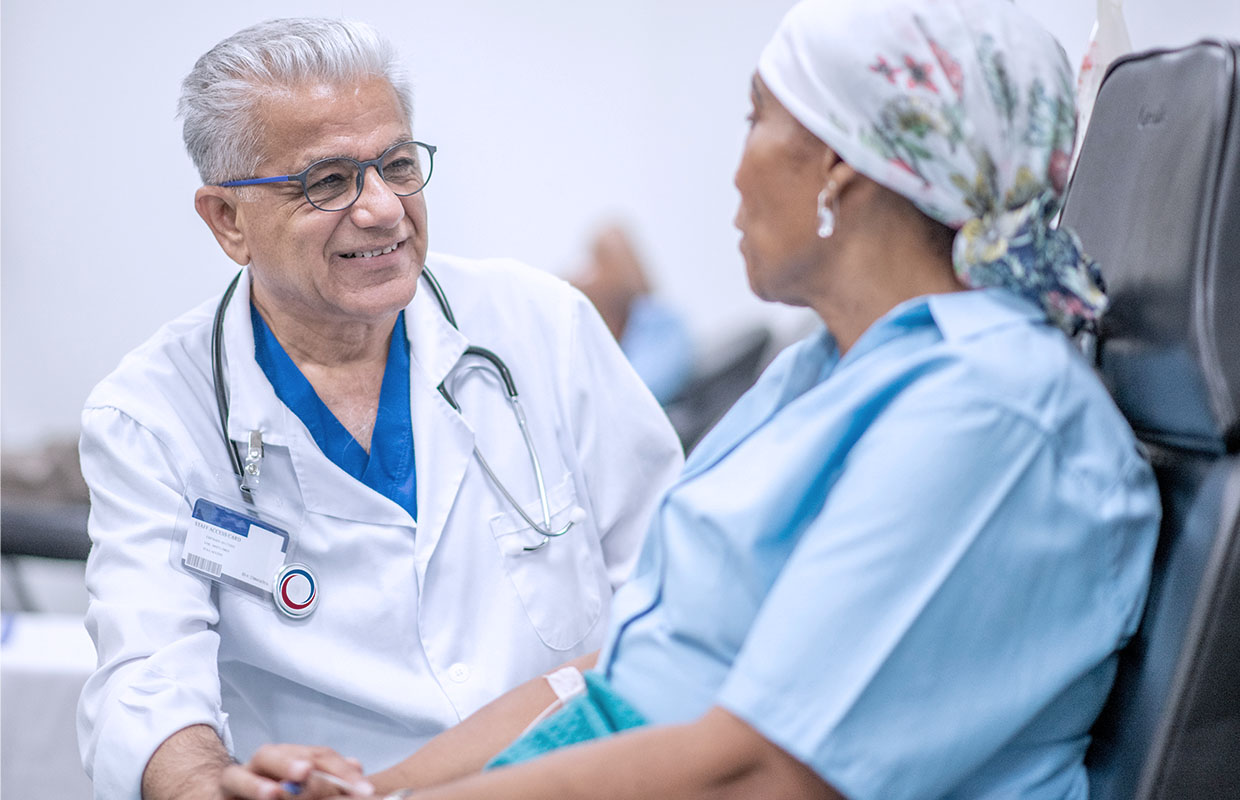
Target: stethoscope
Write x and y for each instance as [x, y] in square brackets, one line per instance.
[249, 467]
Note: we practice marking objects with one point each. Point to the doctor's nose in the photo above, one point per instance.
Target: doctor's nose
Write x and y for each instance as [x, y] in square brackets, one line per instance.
[377, 206]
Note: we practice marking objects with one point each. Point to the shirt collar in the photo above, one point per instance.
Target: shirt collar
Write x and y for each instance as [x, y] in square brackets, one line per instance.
[951, 316]
[434, 348]
[434, 344]
[961, 315]
[956, 315]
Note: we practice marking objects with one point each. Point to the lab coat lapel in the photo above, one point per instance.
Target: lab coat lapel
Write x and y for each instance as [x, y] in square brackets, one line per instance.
[321, 486]
[253, 405]
[443, 440]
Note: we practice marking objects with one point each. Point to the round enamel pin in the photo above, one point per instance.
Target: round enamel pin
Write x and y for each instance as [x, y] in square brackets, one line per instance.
[296, 591]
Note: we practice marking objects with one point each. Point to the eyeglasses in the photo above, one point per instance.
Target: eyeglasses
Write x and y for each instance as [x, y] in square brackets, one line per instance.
[334, 184]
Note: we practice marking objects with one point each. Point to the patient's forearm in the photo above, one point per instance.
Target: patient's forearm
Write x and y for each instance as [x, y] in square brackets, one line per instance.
[719, 757]
[467, 747]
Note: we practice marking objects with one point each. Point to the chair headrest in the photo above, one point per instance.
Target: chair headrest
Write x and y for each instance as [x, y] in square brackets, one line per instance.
[1156, 200]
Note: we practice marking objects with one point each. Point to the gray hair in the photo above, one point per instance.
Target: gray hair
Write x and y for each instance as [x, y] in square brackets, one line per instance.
[222, 132]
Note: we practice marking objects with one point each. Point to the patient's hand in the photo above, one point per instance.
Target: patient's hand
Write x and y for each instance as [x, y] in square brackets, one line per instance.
[311, 773]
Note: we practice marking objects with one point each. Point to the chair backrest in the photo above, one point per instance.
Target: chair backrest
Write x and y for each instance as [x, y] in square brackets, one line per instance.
[1156, 199]
[713, 390]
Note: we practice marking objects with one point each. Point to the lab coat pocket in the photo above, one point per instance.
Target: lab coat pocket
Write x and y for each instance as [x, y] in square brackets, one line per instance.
[559, 583]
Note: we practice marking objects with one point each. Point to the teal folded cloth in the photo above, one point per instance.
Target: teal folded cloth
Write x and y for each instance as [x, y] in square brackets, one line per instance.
[596, 713]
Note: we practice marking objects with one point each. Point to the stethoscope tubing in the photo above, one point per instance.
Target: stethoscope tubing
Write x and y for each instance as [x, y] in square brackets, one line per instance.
[222, 405]
[221, 388]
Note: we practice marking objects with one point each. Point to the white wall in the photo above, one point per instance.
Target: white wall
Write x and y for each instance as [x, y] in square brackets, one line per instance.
[551, 116]
[1151, 23]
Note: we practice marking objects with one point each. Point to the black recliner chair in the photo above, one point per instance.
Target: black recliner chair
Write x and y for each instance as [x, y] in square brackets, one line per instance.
[1156, 199]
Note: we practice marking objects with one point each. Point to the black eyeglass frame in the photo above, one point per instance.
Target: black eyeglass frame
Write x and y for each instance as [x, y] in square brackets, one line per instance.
[362, 166]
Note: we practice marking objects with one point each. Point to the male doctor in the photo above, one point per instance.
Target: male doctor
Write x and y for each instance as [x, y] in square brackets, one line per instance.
[343, 568]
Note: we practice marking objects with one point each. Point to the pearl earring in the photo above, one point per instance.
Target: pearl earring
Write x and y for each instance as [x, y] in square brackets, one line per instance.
[826, 216]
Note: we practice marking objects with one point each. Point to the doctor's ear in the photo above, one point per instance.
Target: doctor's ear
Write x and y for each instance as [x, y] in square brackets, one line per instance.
[218, 208]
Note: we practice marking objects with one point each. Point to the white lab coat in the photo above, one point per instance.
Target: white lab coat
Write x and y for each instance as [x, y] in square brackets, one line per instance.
[417, 625]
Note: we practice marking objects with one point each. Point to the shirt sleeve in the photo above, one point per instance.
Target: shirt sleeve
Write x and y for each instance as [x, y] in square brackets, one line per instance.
[151, 623]
[657, 344]
[627, 449]
[960, 577]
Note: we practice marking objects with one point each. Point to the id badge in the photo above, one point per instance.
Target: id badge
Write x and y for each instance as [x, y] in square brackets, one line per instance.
[234, 547]
[223, 539]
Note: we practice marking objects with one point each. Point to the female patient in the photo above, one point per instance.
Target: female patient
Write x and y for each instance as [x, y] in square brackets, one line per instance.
[903, 564]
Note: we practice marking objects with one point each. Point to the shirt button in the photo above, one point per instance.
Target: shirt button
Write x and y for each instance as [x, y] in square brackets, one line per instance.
[458, 673]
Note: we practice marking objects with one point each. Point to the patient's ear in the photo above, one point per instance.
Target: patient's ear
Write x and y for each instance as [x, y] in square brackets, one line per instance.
[837, 171]
[218, 208]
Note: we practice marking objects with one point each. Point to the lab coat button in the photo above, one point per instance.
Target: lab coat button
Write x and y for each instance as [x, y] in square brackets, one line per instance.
[458, 673]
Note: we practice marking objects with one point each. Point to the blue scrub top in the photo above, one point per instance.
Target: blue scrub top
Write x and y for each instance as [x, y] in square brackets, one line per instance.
[910, 566]
[388, 468]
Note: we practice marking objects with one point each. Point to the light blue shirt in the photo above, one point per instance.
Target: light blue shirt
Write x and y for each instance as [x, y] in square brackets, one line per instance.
[657, 345]
[909, 567]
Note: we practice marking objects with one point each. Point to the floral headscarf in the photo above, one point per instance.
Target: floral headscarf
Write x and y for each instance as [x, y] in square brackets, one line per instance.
[962, 106]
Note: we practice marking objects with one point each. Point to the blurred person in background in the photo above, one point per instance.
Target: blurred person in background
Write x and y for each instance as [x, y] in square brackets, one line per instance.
[652, 335]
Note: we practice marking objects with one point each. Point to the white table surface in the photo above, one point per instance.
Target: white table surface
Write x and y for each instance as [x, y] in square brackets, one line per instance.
[44, 660]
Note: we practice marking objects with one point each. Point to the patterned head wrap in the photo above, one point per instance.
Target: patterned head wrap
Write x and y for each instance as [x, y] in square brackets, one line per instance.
[965, 108]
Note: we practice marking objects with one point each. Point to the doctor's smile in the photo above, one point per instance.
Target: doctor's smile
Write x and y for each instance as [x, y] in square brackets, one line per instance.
[372, 253]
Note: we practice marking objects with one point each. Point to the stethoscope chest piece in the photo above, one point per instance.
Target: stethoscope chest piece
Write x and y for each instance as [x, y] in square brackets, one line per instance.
[296, 591]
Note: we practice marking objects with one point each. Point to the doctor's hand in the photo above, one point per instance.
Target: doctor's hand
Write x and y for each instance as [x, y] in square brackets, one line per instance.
[281, 771]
